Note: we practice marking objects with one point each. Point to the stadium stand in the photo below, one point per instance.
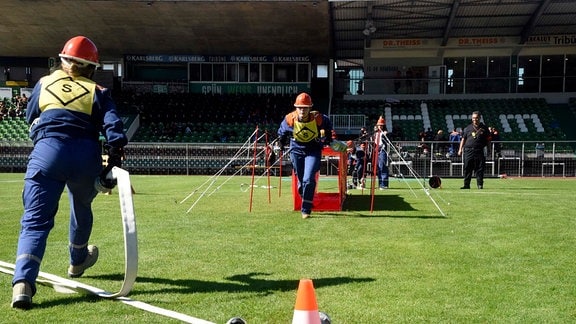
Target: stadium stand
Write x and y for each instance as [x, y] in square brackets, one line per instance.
[202, 150]
[13, 129]
[209, 118]
[525, 119]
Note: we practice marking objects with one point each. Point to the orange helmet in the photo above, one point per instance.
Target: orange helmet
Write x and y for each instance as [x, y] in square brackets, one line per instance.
[381, 121]
[80, 49]
[303, 100]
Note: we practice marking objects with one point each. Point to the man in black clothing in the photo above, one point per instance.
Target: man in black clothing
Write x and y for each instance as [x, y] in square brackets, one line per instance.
[475, 137]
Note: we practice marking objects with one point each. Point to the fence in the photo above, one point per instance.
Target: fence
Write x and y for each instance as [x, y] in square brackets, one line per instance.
[349, 124]
[520, 159]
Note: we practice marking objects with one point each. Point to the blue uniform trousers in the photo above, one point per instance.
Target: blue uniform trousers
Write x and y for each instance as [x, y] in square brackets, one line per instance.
[382, 171]
[306, 166]
[358, 173]
[53, 164]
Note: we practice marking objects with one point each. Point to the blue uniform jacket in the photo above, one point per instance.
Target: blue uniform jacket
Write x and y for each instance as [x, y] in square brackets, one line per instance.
[314, 146]
[58, 114]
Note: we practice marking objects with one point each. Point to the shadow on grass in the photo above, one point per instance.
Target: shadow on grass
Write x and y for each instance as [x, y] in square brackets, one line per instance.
[236, 283]
[387, 202]
[367, 214]
[359, 206]
[68, 299]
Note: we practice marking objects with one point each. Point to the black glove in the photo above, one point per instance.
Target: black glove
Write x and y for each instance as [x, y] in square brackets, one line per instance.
[284, 141]
[115, 155]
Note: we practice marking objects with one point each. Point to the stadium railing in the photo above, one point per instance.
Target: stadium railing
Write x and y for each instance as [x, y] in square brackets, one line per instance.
[516, 159]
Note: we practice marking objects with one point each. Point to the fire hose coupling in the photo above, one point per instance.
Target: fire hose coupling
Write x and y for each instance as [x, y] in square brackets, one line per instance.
[338, 146]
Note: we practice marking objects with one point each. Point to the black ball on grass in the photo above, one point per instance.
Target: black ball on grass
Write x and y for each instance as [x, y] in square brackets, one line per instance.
[324, 318]
[236, 320]
[435, 182]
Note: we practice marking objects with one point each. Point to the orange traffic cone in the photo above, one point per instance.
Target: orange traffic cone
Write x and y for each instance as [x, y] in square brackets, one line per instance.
[306, 309]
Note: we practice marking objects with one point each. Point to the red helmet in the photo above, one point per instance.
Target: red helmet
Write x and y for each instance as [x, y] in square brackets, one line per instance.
[381, 121]
[81, 49]
[303, 100]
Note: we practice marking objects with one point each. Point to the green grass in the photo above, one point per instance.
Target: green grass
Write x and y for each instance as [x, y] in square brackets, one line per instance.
[504, 254]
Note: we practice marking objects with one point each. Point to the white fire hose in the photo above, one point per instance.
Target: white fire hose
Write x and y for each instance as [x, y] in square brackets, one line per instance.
[130, 256]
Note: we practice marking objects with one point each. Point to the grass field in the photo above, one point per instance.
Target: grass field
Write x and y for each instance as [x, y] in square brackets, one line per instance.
[505, 254]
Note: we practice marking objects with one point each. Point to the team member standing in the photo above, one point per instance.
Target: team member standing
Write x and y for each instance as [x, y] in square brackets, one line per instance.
[359, 175]
[356, 164]
[305, 132]
[381, 143]
[67, 112]
[475, 137]
[454, 139]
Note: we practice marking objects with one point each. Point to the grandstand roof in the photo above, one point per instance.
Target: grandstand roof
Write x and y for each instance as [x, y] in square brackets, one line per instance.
[41, 27]
[323, 29]
[444, 19]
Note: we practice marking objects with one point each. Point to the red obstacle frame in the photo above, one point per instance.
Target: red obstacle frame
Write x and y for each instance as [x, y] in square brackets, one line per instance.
[326, 201]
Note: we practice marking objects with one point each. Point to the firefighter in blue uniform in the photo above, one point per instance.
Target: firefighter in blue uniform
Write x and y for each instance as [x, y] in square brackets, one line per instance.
[305, 132]
[358, 174]
[67, 112]
[381, 143]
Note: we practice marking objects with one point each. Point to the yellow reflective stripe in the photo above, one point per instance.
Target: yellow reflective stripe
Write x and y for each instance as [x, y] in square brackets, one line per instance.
[60, 91]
